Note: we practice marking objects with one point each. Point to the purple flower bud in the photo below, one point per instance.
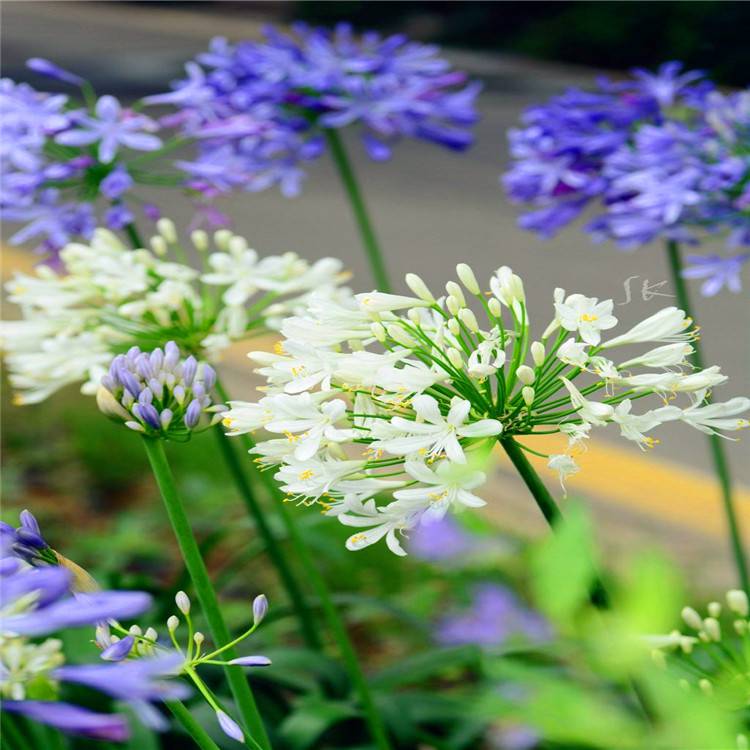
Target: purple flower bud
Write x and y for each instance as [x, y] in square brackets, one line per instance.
[260, 608]
[151, 212]
[251, 661]
[230, 727]
[193, 413]
[118, 217]
[156, 387]
[143, 367]
[49, 69]
[116, 183]
[189, 368]
[30, 538]
[129, 381]
[29, 522]
[118, 650]
[171, 355]
[166, 418]
[209, 377]
[199, 391]
[146, 413]
[145, 396]
[157, 359]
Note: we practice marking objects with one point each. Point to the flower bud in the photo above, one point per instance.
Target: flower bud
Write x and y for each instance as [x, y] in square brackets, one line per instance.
[199, 238]
[229, 726]
[135, 630]
[453, 304]
[151, 634]
[527, 394]
[740, 627]
[414, 315]
[525, 374]
[378, 331]
[468, 318]
[109, 405]
[158, 245]
[237, 244]
[118, 650]
[419, 288]
[467, 278]
[222, 238]
[198, 637]
[455, 358]
[173, 623]
[166, 228]
[712, 628]
[260, 608]
[454, 290]
[400, 336]
[691, 618]
[714, 609]
[182, 600]
[453, 326]
[738, 602]
[706, 687]
[495, 307]
[537, 353]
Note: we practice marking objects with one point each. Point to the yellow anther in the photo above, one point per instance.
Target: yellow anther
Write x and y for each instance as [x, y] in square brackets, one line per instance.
[306, 474]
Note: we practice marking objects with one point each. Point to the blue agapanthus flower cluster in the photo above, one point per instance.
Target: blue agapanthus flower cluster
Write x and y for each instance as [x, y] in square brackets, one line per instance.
[58, 153]
[259, 109]
[662, 155]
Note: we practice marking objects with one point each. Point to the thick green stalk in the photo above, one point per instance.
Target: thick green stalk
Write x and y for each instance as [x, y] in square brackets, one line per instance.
[135, 238]
[331, 614]
[203, 587]
[191, 726]
[275, 553]
[718, 454]
[361, 215]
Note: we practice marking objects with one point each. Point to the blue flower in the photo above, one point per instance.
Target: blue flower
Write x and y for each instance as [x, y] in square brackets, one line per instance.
[718, 272]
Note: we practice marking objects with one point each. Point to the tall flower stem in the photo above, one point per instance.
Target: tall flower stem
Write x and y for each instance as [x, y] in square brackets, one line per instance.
[275, 553]
[191, 726]
[203, 587]
[361, 215]
[718, 455]
[330, 613]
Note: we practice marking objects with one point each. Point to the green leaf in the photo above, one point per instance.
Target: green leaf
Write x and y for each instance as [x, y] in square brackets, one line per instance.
[421, 666]
[312, 717]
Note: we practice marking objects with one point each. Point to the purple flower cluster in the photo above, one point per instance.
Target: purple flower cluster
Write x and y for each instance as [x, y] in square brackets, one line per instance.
[661, 155]
[57, 156]
[26, 541]
[259, 109]
[157, 393]
[495, 616]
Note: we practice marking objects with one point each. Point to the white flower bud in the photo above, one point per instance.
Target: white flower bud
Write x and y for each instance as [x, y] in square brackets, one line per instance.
[172, 623]
[453, 304]
[378, 331]
[158, 245]
[109, 405]
[400, 336]
[455, 358]
[414, 316]
[419, 288]
[550, 329]
[527, 394]
[687, 643]
[495, 307]
[740, 627]
[222, 238]
[525, 374]
[714, 609]
[537, 353]
[182, 600]
[199, 238]
[467, 278]
[237, 244]
[706, 687]
[712, 628]
[166, 228]
[738, 602]
[198, 637]
[151, 634]
[454, 327]
[135, 630]
[260, 608]
[692, 619]
[454, 290]
[468, 318]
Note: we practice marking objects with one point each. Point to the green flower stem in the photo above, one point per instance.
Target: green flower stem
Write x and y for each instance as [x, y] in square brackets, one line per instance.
[330, 613]
[361, 216]
[718, 454]
[191, 726]
[273, 548]
[133, 236]
[203, 588]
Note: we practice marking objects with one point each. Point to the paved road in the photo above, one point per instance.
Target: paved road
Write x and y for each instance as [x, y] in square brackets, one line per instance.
[431, 208]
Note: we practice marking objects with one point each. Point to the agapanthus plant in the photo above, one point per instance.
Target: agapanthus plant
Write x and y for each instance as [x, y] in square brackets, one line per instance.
[660, 155]
[366, 401]
[106, 299]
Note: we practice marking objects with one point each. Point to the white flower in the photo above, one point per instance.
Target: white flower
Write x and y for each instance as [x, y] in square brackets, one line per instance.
[328, 322]
[413, 377]
[564, 465]
[633, 426]
[436, 434]
[363, 368]
[573, 353]
[668, 325]
[486, 359]
[508, 288]
[710, 418]
[577, 432]
[306, 422]
[590, 411]
[668, 355]
[311, 479]
[243, 417]
[587, 316]
[379, 302]
[298, 368]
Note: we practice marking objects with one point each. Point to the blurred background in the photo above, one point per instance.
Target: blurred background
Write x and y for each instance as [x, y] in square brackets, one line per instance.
[431, 209]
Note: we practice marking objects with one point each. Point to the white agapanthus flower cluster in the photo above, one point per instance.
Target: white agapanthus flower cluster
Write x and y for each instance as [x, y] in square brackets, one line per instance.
[402, 397]
[107, 298]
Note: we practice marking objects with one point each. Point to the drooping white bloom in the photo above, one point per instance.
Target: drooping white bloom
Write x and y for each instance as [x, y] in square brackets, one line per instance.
[564, 465]
[587, 316]
[590, 411]
[434, 434]
[634, 426]
[667, 325]
[710, 418]
[668, 355]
